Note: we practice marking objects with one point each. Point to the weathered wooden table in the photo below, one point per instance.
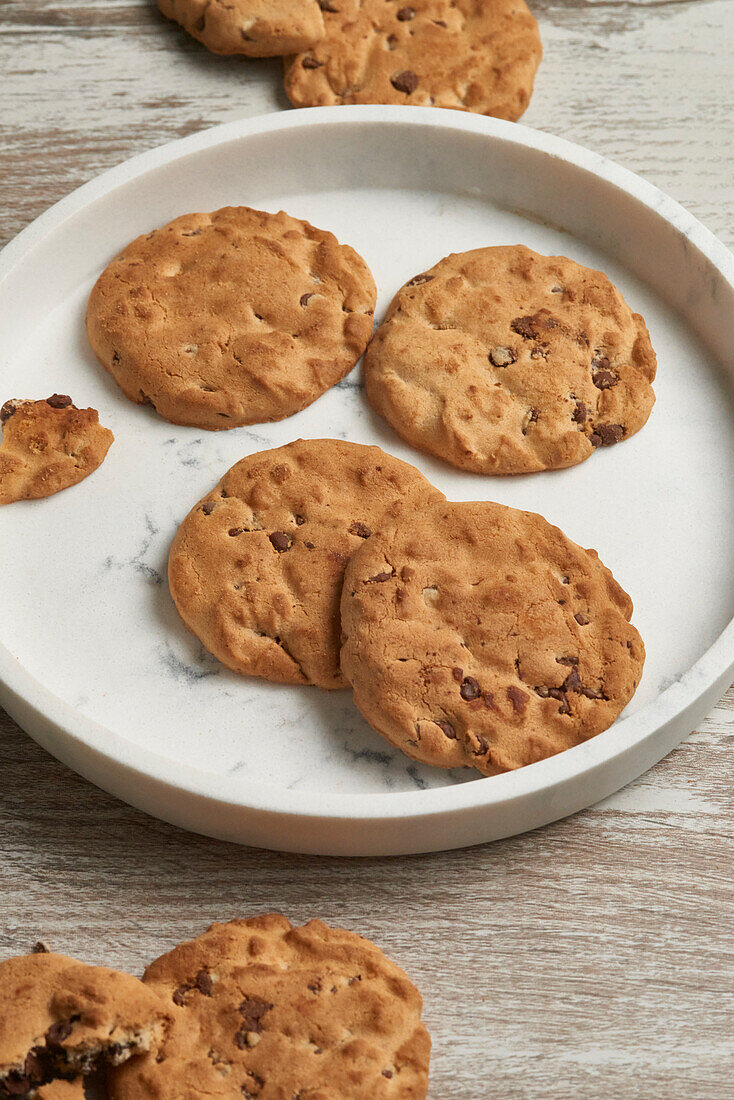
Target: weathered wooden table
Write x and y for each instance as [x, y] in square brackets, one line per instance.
[591, 959]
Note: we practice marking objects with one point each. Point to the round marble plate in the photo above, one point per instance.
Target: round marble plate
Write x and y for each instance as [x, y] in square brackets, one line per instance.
[94, 661]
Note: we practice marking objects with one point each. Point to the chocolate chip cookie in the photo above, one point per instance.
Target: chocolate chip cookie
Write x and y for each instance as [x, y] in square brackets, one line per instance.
[48, 446]
[62, 1090]
[269, 1011]
[231, 318]
[256, 567]
[61, 1019]
[470, 55]
[504, 361]
[480, 635]
[255, 28]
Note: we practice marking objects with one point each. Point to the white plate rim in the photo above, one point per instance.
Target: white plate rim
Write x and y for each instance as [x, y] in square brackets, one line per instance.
[23, 694]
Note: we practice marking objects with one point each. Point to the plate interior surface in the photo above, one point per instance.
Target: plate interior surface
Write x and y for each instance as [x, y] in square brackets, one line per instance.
[86, 609]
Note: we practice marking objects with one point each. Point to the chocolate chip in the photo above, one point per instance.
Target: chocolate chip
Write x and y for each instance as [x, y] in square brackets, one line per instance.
[488, 699]
[406, 82]
[600, 361]
[470, 689]
[518, 698]
[406, 14]
[8, 409]
[179, 995]
[58, 401]
[300, 520]
[315, 986]
[570, 661]
[379, 577]
[308, 545]
[311, 63]
[252, 1010]
[326, 5]
[39, 948]
[458, 674]
[236, 531]
[208, 507]
[15, 1085]
[203, 982]
[418, 280]
[305, 299]
[554, 693]
[581, 619]
[589, 693]
[580, 413]
[447, 729]
[280, 541]
[502, 357]
[606, 435]
[58, 1032]
[605, 379]
[530, 327]
[572, 681]
[387, 1073]
[360, 529]
[532, 419]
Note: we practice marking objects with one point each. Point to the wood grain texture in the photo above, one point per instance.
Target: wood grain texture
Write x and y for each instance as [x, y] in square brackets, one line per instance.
[590, 959]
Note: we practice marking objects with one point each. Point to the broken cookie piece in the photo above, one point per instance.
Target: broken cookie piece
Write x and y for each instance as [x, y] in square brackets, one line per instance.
[48, 446]
[60, 1020]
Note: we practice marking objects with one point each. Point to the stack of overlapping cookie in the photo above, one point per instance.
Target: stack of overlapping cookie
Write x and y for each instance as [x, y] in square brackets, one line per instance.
[468, 55]
[251, 1009]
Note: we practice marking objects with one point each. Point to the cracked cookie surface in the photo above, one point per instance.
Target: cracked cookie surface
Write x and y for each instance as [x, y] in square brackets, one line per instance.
[48, 446]
[266, 1010]
[479, 635]
[60, 1018]
[470, 55]
[236, 317]
[254, 28]
[256, 567]
[504, 361]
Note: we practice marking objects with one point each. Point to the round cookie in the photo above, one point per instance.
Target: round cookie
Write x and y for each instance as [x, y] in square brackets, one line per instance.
[236, 317]
[61, 1018]
[268, 1011]
[255, 28]
[48, 446]
[256, 567]
[503, 361]
[470, 55]
[480, 635]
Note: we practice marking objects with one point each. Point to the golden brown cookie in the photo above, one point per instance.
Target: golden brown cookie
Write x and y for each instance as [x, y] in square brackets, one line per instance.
[504, 361]
[268, 1011]
[231, 318]
[48, 446]
[480, 635]
[62, 1090]
[470, 55]
[254, 28]
[256, 567]
[61, 1018]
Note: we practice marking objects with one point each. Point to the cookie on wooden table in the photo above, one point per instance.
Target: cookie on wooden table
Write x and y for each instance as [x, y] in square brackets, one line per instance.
[470, 55]
[254, 28]
[266, 1010]
[48, 446]
[480, 635]
[504, 361]
[231, 318]
[60, 1018]
[256, 567]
